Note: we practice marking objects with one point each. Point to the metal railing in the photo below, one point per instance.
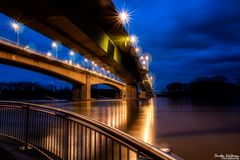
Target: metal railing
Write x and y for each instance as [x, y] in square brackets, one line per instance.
[66, 135]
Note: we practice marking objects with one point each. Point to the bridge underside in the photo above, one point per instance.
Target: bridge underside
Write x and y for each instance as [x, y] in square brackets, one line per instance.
[87, 27]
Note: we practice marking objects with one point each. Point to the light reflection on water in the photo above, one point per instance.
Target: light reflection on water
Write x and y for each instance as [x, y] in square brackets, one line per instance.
[193, 130]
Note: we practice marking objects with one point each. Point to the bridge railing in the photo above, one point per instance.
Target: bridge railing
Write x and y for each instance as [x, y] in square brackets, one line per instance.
[43, 54]
[66, 135]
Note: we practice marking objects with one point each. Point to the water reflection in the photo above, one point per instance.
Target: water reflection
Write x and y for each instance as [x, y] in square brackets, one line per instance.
[185, 125]
[132, 117]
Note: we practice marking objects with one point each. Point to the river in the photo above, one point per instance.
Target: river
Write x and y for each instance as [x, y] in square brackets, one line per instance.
[194, 130]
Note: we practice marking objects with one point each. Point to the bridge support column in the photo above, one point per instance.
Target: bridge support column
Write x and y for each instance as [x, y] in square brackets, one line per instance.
[86, 91]
[76, 92]
[81, 92]
[132, 92]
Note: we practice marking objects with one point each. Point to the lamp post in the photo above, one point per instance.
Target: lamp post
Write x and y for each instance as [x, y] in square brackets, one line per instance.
[72, 56]
[16, 27]
[55, 46]
[86, 63]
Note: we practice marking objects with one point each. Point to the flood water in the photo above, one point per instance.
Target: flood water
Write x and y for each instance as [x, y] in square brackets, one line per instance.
[194, 130]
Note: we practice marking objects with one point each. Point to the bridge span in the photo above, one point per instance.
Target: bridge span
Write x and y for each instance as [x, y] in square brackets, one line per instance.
[81, 78]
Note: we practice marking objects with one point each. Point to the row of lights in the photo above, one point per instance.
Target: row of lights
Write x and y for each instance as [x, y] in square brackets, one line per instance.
[89, 65]
[124, 17]
[18, 28]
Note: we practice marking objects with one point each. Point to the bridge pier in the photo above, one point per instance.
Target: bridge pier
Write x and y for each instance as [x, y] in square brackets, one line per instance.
[132, 91]
[81, 92]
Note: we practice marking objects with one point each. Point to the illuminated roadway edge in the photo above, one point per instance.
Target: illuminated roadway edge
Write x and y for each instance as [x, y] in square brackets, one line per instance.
[4, 41]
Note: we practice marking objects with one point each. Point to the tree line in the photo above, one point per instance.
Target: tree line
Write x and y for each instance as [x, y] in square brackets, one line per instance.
[37, 91]
[206, 87]
[30, 90]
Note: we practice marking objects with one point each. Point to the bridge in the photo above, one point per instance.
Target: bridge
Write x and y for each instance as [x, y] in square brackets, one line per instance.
[81, 78]
[89, 28]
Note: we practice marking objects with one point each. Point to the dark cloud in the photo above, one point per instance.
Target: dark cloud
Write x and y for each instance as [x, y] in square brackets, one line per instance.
[200, 39]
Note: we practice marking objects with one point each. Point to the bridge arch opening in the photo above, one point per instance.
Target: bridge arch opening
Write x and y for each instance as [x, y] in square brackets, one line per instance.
[103, 90]
[33, 85]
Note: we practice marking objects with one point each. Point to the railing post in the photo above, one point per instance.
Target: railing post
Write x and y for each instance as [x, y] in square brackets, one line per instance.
[66, 137]
[26, 131]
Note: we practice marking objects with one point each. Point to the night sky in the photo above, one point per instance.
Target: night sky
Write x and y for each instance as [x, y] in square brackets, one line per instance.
[187, 39]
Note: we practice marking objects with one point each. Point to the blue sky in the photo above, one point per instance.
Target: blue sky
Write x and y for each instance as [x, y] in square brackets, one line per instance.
[187, 39]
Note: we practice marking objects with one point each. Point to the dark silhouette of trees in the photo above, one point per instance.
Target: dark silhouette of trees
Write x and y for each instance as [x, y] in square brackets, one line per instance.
[34, 91]
[29, 90]
[206, 87]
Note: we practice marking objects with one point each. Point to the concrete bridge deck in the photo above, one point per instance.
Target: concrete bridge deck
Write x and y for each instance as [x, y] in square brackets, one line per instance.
[81, 78]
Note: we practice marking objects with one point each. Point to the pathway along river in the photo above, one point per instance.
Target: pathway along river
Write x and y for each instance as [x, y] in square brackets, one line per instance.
[193, 130]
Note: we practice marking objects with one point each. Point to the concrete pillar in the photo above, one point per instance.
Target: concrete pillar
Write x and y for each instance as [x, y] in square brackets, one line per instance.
[86, 91]
[76, 92]
[132, 91]
[118, 94]
[82, 91]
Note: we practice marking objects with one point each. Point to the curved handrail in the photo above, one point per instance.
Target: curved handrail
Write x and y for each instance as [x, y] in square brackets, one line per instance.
[120, 136]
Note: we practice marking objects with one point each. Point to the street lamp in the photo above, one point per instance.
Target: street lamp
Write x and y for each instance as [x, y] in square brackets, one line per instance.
[133, 39]
[17, 28]
[72, 55]
[86, 63]
[137, 50]
[55, 46]
[124, 17]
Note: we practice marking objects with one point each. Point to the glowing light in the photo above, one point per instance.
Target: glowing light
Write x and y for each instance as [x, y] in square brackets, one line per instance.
[133, 39]
[144, 62]
[137, 50]
[71, 53]
[86, 60]
[147, 58]
[26, 47]
[124, 17]
[49, 54]
[54, 45]
[15, 26]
